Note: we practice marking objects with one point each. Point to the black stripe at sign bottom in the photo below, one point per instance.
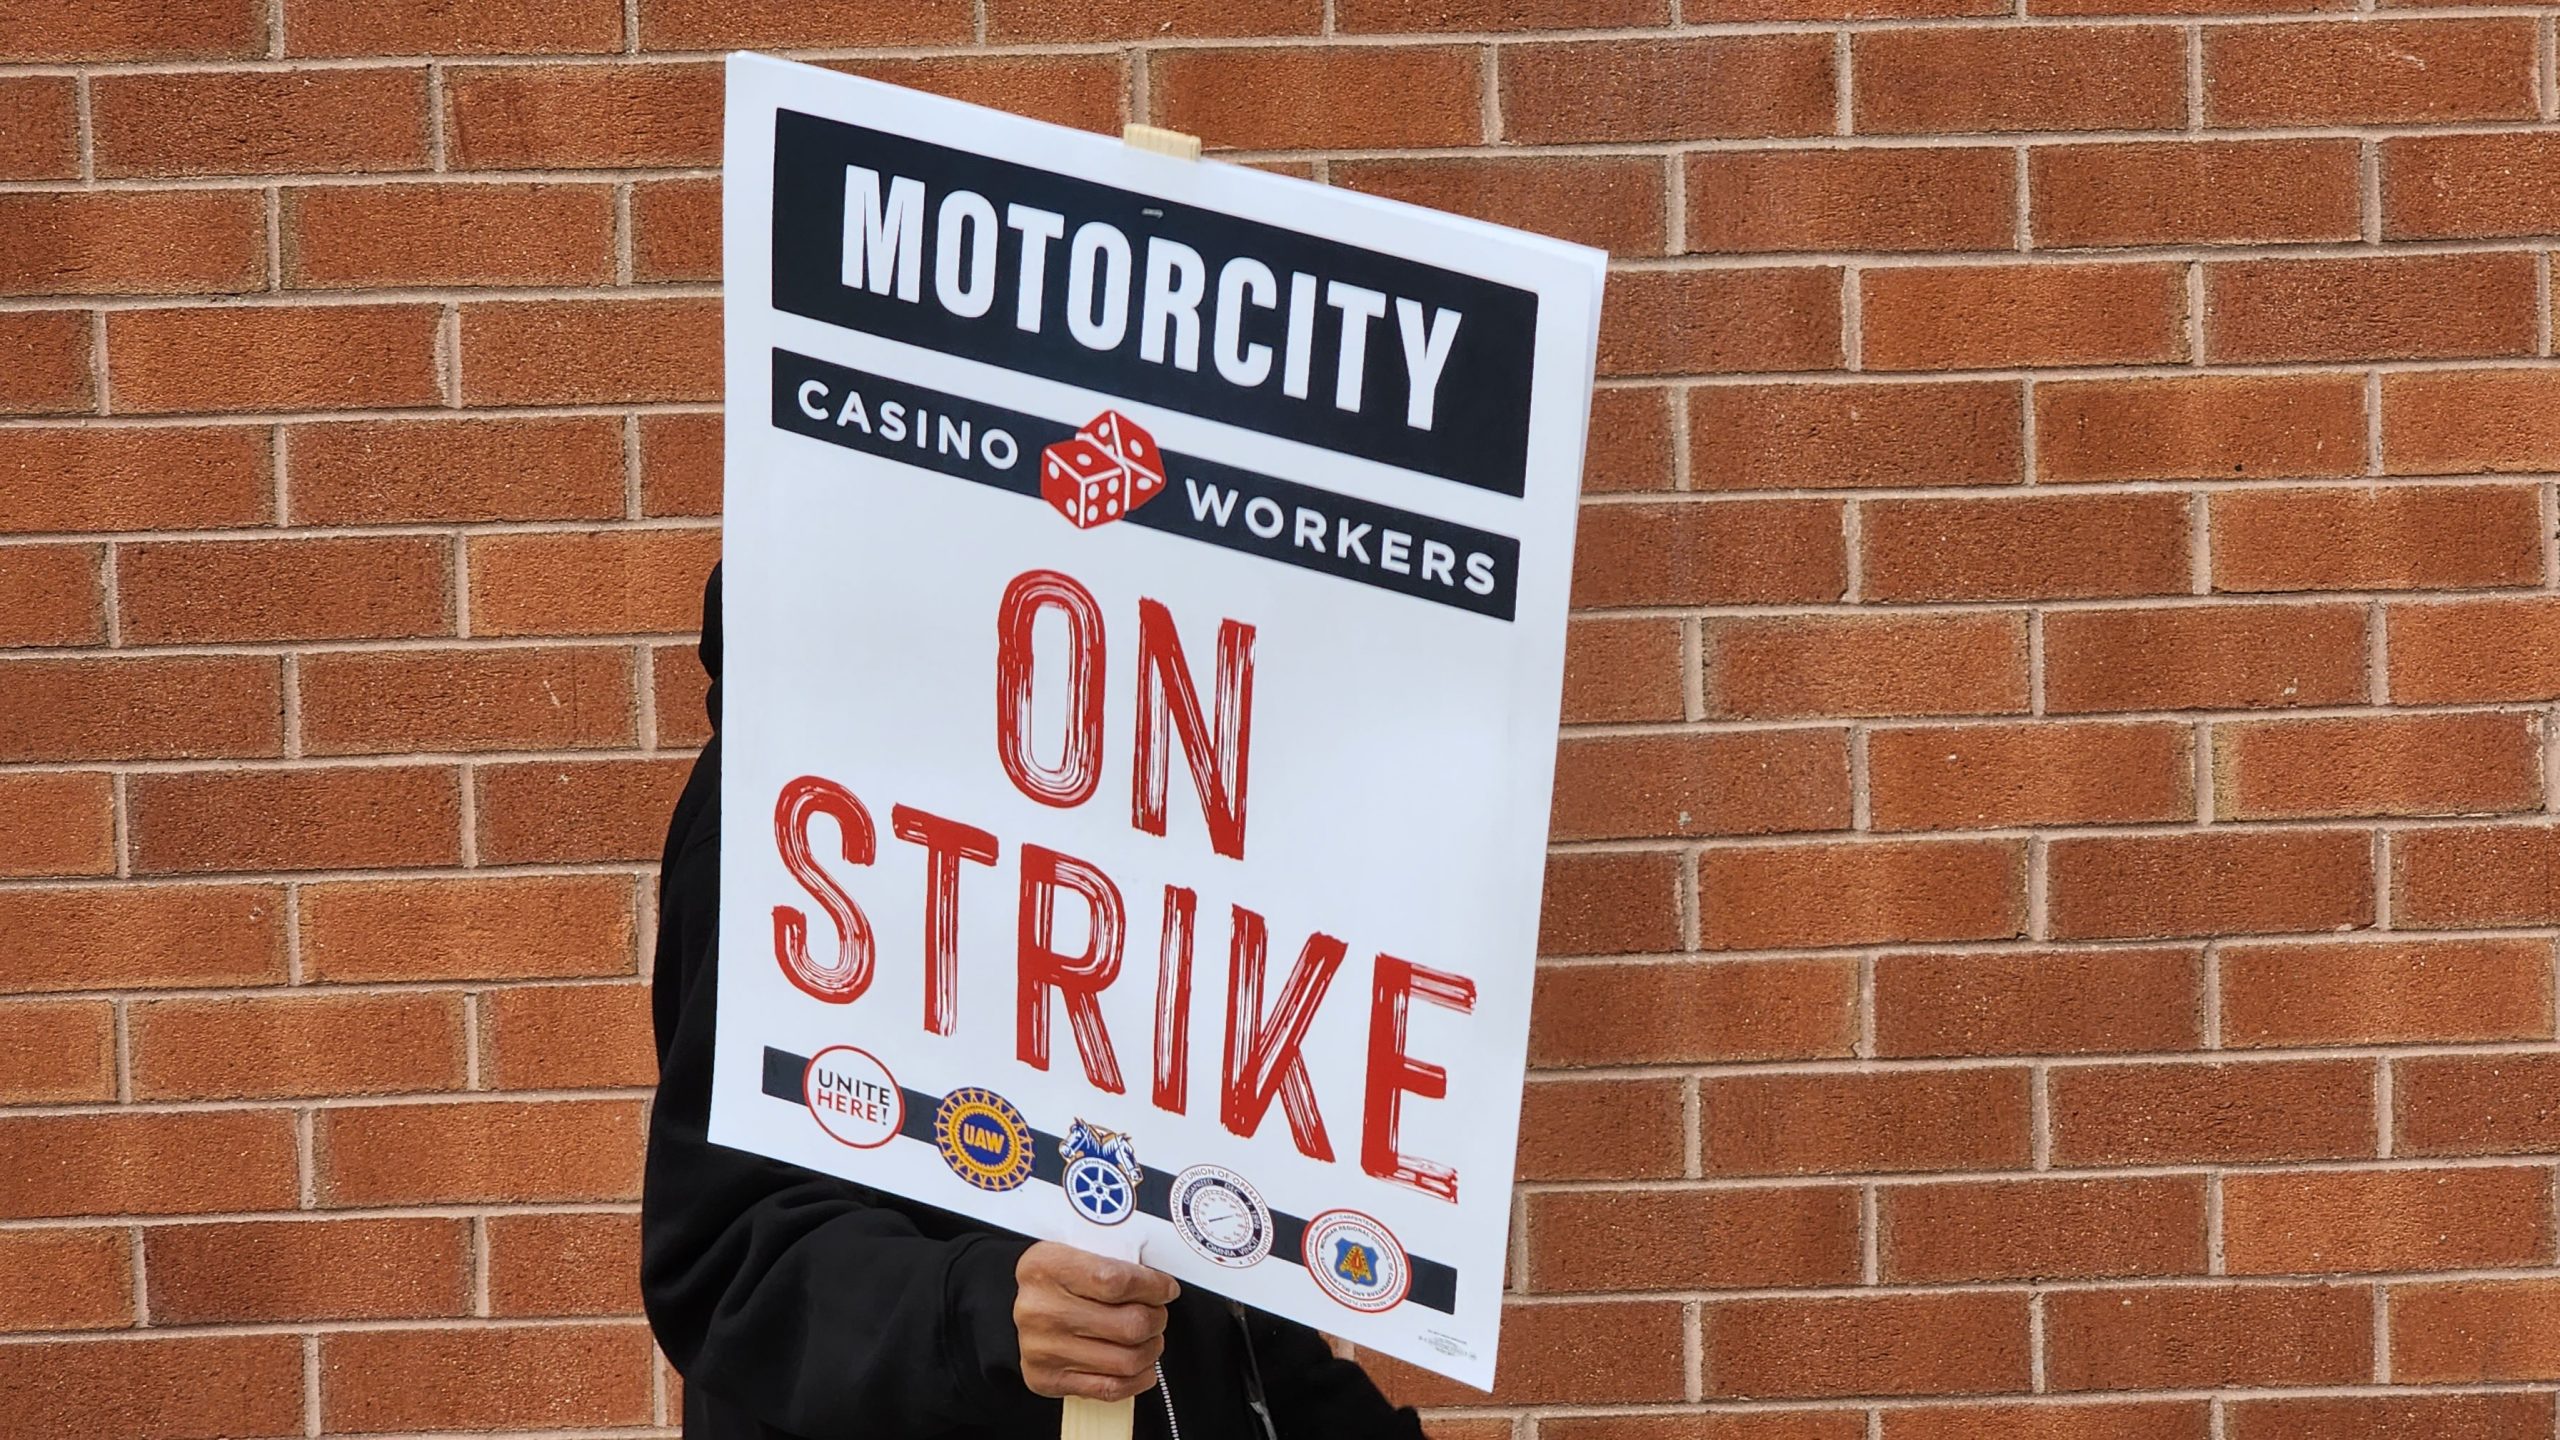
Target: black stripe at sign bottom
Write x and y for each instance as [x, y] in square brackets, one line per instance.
[1435, 1285]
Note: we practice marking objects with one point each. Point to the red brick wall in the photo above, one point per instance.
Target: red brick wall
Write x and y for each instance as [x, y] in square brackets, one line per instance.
[2053, 902]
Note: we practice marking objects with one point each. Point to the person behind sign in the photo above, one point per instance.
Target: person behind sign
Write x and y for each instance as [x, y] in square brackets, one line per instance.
[799, 1305]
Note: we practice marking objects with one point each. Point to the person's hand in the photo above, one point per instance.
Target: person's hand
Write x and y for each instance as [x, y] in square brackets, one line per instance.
[1089, 1326]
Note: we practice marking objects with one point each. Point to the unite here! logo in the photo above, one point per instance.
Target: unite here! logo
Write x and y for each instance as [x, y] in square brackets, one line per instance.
[1105, 470]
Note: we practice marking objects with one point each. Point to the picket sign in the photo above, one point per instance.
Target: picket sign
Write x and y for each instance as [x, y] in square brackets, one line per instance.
[1146, 584]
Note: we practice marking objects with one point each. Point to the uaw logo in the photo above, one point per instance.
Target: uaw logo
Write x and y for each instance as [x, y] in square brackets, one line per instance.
[1104, 471]
[1357, 1261]
[983, 1139]
[1102, 1173]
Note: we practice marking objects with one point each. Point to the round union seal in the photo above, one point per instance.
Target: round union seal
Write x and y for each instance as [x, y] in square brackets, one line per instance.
[1218, 1213]
[1357, 1261]
[1102, 1173]
[983, 1139]
[854, 1097]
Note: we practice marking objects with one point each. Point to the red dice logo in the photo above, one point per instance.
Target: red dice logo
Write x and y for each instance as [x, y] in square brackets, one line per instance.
[1110, 468]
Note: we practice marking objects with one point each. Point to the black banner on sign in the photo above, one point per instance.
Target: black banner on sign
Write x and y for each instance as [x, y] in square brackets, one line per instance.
[1411, 554]
[1314, 340]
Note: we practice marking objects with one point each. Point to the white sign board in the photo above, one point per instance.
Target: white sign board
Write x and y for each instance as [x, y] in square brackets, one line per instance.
[1145, 596]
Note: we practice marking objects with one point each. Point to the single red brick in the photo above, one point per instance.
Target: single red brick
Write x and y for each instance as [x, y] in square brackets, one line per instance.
[1615, 203]
[341, 236]
[1629, 444]
[1652, 90]
[2475, 1330]
[173, 1388]
[2444, 764]
[1985, 316]
[1866, 1345]
[2459, 422]
[2396, 307]
[142, 937]
[1368, 97]
[370, 472]
[2174, 1112]
[2042, 1229]
[157, 478]
[2505, 649]
[2039, 1002]
[1768, 897]
[271, 1270]
[2069, 1420]
[680, 465]
[1658, 786]
[1619, 1240]
[49, 372]
[2205, 428]
[385, 702]
[315, 1045]
[553, 352]
[2185, 192]
[52, 595]
[1954, 664]
[187, 1162]
[2200, 1336]
[132, 30]
[469, 928]
[66, 1279]
[1404, 16]
[2024, 547]
[1664, 322]
[771, 24]
[1867, 1122]
[54, 1051]
[1602, 1129]
[611, 582]
[2208, 883]
[1685, 1011]
[138, 242]
[260, 122]
[478, 1152]
[2390, 1417]
[2459, 187]
[1614, 670]
[675, 230]
[143, 708]
[1085, 91]
[2377, 537]
[2476, 875]
[1611, 902]
[458, 27]
[39, 128]
[2042, 772]
[679, 693]
[564, 117]
[1822, 437]
[576, 811]
[2205, 657]
[495, 1377]
[1940, 81]
[315, 589]
[2476, 1105]
[1852, 199]
[567, 1037]
[352, 817]
[65, 826]
[1570, 1352]
[309, 357]
[2369, 73]
[1697, 552]
[559, 1265]
[2386, 992]
[2330, 1222]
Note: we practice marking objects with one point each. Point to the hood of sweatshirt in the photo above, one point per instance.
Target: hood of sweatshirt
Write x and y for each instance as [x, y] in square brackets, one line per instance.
[709, 649]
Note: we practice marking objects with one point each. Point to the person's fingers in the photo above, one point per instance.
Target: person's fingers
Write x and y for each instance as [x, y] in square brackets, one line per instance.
[1117, 1282]
[1096, 1387]
[1058, 1312]
[1100, 1357]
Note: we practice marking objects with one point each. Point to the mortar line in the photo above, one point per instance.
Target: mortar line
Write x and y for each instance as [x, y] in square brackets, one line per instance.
[2035, 1342]
[2384, 1124]
[2216, 1258]
[2195, 78]
[141, 1279]
[100, 382]
[84, 129]
[2382, 1334]
[2210, 1002]
[2373, 433]
[311, 1418]
[623, 242]
[2369, 190]
[1489, 70]
[436, 156]
[1844, 79]
[120, 1022]
[292, 692]
[631, 25]
[274, 214]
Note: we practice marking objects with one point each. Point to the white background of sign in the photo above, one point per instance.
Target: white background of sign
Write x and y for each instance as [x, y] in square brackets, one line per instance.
[1402, 750]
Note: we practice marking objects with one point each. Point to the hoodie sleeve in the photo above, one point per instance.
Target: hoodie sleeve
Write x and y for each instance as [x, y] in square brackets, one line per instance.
[800, 1299]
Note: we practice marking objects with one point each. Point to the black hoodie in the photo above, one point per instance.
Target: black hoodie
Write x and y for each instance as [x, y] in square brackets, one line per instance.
[803, 1307]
